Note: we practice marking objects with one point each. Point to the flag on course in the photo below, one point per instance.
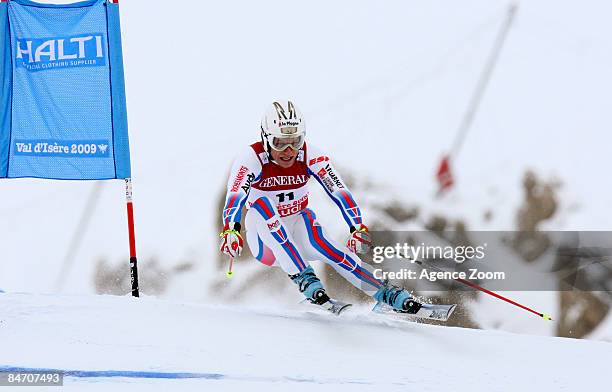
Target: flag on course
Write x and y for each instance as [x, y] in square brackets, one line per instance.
[62, 95]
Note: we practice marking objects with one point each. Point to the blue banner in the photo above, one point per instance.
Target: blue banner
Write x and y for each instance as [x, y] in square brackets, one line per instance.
[62, 93]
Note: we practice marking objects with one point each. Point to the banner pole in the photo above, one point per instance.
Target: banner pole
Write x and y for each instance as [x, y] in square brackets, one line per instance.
[79, 233]
[483, 82]
[132, 238]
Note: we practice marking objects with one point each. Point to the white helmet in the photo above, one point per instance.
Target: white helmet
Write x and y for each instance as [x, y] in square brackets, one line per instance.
[282, 127]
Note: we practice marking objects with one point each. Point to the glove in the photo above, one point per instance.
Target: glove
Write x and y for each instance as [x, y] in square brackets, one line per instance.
[231, 241]
[359, 241]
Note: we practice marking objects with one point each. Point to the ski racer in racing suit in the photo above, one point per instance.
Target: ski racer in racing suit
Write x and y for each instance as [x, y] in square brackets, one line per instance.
[270, 178]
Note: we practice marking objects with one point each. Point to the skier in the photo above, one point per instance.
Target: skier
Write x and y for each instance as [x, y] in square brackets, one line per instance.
[270, 178]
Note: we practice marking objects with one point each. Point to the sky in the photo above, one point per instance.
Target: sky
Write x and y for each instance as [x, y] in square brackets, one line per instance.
[382, 85]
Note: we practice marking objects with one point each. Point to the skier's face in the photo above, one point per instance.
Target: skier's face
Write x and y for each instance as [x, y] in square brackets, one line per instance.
[284, 158]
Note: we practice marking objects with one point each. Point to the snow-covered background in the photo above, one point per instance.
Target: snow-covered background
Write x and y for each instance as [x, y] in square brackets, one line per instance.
[383, 86]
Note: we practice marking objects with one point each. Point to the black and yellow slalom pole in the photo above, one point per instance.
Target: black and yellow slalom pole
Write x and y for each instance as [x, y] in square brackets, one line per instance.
[477, 287]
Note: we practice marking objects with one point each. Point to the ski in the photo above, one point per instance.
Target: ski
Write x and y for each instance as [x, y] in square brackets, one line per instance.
[426, 311]
[336, 307]
[333, 306]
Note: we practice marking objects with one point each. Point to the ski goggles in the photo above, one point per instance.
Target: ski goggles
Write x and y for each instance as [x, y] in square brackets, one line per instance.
[281, 143]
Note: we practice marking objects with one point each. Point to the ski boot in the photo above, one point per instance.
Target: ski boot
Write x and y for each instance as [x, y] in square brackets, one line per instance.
[398, 298]
[314, 292]
[310, 286]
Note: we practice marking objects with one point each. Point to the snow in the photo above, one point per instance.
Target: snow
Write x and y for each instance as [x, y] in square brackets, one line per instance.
[238, 348]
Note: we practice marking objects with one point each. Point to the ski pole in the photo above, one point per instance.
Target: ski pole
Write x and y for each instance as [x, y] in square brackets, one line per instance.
[477, 287]
[230, 271]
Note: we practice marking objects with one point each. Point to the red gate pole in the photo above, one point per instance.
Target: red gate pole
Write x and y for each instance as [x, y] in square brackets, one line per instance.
[132, 238]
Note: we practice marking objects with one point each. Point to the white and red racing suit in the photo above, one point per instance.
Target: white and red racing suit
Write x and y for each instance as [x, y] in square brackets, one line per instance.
[280, 228]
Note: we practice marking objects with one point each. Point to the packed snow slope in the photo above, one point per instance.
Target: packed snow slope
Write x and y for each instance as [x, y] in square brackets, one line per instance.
[121, 343]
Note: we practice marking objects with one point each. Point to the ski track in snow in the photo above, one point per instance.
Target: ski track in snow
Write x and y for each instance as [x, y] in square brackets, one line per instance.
[122, 343]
